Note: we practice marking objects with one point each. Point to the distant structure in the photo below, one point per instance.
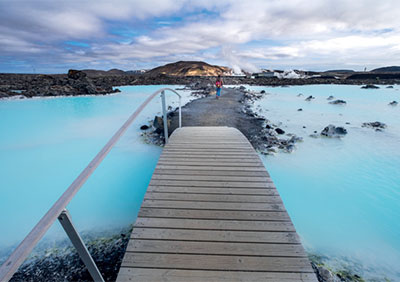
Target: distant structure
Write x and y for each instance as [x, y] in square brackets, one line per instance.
[264, 73]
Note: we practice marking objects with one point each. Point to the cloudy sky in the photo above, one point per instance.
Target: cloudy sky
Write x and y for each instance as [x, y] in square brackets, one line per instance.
[48, 36]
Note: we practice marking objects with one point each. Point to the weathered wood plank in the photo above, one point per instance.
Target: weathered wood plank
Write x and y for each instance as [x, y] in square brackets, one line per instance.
[216, 262]
[211, 178]
[215, 235]
[216, 248]
[211, 172]
[194, 205]
[179, 275]
[211, 214]
[213, 198]
[210, 160]
[218, 191]
[213, 224]
[196, 183]
[210, 163]
[207, 167]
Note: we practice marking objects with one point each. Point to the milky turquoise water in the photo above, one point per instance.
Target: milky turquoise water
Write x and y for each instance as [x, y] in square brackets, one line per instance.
[46, 142]
[343, 195]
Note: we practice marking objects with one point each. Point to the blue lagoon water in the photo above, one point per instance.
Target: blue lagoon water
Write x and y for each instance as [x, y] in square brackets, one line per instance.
[46, 142]
[343, 195]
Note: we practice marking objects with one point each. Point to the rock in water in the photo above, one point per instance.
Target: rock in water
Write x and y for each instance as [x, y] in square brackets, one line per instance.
[393, 103]
[377, 125]
[330, 98]
[390, 86]
[144, 127]
[369, 86]
[279, 131]
[309, 98]
[333, 131]
[262, 92]
[299, 110]
[338, 102]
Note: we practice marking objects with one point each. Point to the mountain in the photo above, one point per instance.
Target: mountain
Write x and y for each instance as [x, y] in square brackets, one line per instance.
[95, 73]
[190, 68]
[387, 69]
[340, 71]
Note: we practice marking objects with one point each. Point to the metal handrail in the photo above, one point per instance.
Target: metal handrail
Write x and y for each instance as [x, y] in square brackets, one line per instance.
[18, 256]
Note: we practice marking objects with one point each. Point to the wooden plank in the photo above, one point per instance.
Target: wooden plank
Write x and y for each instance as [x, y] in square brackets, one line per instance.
[217, 191]
[213, 198]
[216, 248]
[211, 214]
[208, 178]
[210, 160]
[209, 163]
[215, 262]
[210, 172]
[194, 205]
[195, 183]
[207, 156]
[209, 149]
[215, 235]
[136, 274]
[213, 224]
[207, 167]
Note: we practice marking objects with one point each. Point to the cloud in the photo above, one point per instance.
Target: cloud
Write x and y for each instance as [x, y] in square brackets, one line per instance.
[264, 32]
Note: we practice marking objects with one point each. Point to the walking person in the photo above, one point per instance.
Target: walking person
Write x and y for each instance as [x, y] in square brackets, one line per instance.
[219, 84]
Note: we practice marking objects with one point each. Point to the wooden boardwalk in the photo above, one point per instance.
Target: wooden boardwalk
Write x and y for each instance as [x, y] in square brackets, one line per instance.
[212, 213]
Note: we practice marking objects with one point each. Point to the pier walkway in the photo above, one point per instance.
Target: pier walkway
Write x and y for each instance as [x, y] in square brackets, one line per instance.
[212, 213]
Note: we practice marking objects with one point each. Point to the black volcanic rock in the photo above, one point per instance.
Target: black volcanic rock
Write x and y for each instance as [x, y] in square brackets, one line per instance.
[370, 86]
[338, 102]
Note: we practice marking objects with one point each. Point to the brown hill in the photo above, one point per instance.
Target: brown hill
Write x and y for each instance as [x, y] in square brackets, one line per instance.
[96, 73]
[190, 68]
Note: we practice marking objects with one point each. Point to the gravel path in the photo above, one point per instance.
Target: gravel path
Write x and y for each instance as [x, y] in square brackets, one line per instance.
[225, 111]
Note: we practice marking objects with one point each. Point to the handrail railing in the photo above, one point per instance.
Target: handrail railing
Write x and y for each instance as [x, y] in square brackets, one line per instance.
[58, 210]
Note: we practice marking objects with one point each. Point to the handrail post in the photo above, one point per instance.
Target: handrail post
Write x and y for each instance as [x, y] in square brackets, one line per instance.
[165, 118]
[66, 222]
[180, 112]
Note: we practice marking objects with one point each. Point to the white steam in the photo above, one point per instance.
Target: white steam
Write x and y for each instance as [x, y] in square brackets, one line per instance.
[237, 64]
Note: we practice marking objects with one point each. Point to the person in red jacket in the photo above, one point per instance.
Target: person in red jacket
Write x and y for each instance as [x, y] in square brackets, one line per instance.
[219, 84]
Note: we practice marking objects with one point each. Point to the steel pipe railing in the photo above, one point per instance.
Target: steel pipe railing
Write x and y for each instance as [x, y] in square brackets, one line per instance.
[59, 211]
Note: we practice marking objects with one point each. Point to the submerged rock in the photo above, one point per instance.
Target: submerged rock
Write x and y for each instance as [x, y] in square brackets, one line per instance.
[330, 98]
[299, 95]
[333, 131]
[390, 86]
[377, 125]
[309, 98]
[393, 103]
[338, 102]
[369, 86]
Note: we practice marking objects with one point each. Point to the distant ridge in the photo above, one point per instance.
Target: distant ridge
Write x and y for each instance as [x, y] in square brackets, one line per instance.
[340, 71]
[190, 68]
[95, 73]
[387, 69]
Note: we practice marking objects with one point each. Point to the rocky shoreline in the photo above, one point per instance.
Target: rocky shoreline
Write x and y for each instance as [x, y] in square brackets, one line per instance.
[79, 83]
[63, 263]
